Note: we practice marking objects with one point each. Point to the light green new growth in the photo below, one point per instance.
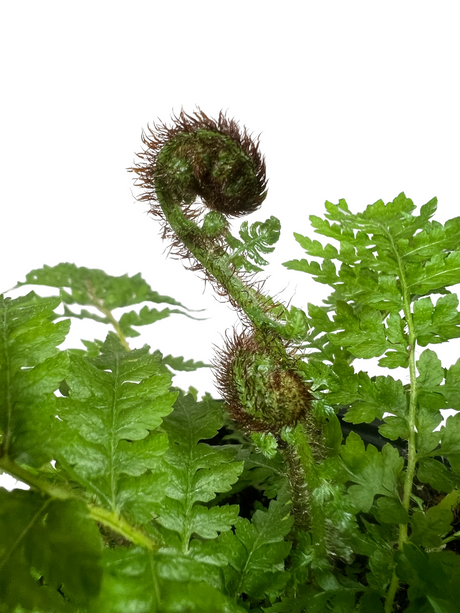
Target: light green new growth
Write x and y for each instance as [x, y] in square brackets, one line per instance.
[262, 384]
[389, 260]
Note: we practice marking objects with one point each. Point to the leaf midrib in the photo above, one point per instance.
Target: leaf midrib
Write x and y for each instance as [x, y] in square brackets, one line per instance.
[113, 431]
[9, 404]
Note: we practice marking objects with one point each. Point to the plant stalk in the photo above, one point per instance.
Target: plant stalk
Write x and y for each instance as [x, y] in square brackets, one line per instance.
[216, 263]
[108, 313]
[112, 520]
[298, 438]
[412, 453]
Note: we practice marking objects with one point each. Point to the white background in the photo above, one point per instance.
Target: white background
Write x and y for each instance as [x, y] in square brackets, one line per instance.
[355, 100]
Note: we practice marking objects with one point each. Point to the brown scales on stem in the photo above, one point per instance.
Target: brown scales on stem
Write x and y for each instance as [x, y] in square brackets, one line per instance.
[291, 394]
[214, 191]
[147, 171]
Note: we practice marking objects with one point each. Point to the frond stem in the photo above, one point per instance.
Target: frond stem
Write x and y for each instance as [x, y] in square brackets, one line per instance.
[412, 453]
[110, 519]
[216, 263]
[100, 306]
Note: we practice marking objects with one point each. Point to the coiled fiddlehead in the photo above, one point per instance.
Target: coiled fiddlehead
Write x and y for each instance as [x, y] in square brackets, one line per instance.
[258, 373]
[214, 161]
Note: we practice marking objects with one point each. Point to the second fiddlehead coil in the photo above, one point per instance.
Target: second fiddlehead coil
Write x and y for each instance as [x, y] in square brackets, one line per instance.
[258, 372]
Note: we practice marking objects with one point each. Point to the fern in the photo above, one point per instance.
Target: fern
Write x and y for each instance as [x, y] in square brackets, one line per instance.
[255, 240]
[31, 370]
[197, 471]
[258, 550]
[132, 579]
[106, 437]
[146, 498]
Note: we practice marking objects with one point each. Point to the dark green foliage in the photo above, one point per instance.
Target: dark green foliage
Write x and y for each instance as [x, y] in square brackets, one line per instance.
[256, 553]
[87, 286]
[196, 472]
[106, 436]
[433, 579]
[371, 471]
[147, 499]
[134, 580]
[95, 288]
[31, 370]
[51, 539]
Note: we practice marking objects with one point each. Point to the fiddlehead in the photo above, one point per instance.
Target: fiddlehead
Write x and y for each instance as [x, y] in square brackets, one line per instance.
[258, 373]
[261, 384]
[216, 162]
[203, 157]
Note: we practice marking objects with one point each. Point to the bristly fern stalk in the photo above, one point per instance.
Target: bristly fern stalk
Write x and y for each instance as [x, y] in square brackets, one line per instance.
[144, 497]
[258, 373]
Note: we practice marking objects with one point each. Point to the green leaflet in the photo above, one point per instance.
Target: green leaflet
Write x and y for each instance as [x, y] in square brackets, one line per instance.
[52, 539]
[308, 599]
[433, 579]
[128, 580]
[451, 387]
[107, 437]
[441, 270]
[370, 397]
[196, 472]
[364, 334]
[436, 324]
[372, 471]
[437, 475]
[31, 369]
[181, 364]
[430, 527]
[134, 580]
[255, 240]
[88, 285]
[145, 317]
[93, 350]
[95, 288]
[256, 552]
[373, 246]
[449, 435]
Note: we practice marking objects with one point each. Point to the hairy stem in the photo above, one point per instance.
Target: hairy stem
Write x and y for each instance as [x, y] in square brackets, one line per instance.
[216, 262]
[312, 482]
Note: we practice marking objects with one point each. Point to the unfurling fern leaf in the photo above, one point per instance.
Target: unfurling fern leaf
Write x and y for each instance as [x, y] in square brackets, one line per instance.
[256, 239]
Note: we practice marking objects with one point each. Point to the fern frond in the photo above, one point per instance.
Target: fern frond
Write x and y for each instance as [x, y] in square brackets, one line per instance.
[255, 240]
[108, 439]
[57, 540]
[197, 471]
[31, 369]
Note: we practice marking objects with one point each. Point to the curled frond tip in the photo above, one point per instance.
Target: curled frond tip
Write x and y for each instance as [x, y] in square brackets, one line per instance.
[200, 157]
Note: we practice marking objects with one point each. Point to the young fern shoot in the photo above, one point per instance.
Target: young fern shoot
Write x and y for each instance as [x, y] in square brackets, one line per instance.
[258, 373]
[143, 497]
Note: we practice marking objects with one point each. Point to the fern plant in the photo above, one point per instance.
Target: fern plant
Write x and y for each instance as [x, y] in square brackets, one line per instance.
[309, 485]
